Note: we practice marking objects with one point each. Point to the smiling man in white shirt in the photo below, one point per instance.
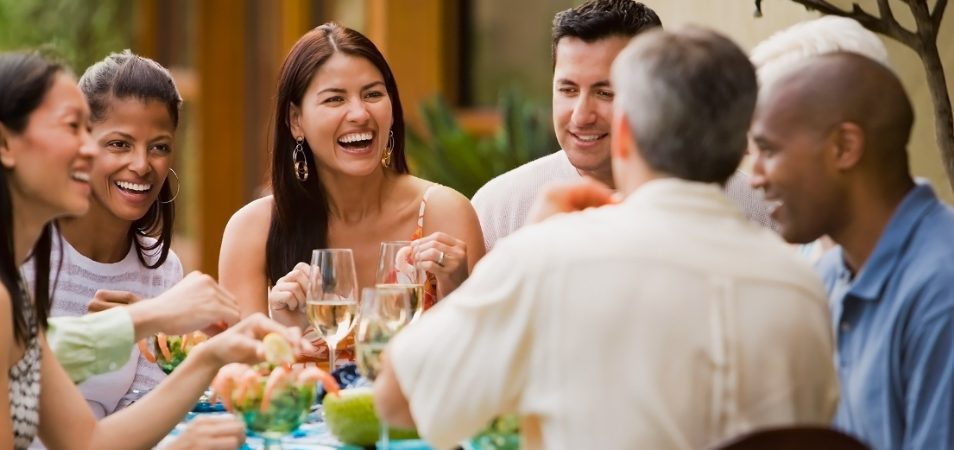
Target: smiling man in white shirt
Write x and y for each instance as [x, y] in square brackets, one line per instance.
[664, 321]
[585, 40]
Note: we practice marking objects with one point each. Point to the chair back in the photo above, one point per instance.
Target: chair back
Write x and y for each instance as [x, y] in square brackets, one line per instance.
[792, 438]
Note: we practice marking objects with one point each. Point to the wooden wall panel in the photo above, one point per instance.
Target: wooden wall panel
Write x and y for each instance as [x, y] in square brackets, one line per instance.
[221, 65]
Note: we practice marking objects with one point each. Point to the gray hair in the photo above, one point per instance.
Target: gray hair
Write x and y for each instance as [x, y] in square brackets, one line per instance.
[827, 34]
[688, 96]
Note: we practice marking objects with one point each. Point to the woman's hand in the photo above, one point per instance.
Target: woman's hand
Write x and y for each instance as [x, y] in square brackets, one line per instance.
[105, 299]
[291, 290]
[195, 303]
[242, 342]
[443, 255]
[219, 432]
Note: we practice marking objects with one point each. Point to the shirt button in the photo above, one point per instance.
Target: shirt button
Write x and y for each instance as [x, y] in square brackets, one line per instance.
[845, 327]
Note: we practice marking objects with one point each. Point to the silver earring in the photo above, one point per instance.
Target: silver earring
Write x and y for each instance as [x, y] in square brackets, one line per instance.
[299, 163]
[178, 188]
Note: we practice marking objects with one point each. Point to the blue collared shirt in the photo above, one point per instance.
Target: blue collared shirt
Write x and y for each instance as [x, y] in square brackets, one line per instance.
[894, 324]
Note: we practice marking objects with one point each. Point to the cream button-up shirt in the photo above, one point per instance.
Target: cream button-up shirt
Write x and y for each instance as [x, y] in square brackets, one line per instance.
[668, 321]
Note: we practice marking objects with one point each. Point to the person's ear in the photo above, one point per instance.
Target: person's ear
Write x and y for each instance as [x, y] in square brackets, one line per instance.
[294, 121]
[849, 145]
[7, 159]
[622, 141]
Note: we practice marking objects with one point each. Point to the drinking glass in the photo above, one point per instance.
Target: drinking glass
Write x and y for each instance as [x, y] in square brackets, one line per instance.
[286, 411]
[332, 302]
[396, 268]
[384, 311]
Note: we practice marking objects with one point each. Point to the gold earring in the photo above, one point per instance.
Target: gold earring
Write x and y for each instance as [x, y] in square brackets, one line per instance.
[386, 160]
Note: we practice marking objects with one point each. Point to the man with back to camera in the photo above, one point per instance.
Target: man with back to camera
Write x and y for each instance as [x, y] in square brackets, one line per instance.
[586, 39]
[637, 324]
[832, 135]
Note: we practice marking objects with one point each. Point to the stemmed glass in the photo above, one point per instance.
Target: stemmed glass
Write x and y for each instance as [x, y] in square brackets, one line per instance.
[332, 302]
[287, 410]
[396, 268]
[384, 311]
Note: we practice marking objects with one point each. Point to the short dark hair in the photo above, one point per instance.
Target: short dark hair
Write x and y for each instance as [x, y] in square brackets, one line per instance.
[688, 97]
[301, 214]
[126, 75]
[600, 19]
[25, 79]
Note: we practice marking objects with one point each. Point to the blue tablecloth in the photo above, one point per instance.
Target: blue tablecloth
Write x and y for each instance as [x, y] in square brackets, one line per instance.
[313, 435]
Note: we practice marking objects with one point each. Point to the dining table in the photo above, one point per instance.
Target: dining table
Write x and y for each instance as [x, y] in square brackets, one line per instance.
[313, 434]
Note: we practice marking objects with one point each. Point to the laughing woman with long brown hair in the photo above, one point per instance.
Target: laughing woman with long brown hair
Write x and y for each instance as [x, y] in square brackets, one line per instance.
[340, 180]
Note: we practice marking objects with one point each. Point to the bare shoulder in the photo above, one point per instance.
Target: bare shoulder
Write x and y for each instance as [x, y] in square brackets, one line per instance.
[242, 254]
[412, 189]
[445, 199]
[451, 212]
[246, 235]
[253, 218]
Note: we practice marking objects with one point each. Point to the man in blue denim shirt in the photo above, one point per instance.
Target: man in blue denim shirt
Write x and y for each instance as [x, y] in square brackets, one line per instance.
[831, 136]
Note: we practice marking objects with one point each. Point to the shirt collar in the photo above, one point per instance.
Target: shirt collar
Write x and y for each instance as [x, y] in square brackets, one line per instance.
[870, 282]
[677, 193]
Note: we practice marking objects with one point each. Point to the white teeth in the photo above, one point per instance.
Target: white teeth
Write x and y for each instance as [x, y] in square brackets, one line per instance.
[133, 186]
[80, 176]
[354, 137]
[589, 138]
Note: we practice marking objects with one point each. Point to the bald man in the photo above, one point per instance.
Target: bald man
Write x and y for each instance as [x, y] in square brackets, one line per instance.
[831, 134]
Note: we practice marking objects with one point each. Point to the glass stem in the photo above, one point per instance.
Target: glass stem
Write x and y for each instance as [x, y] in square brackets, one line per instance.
[273, 444]
[385, 439]
[331, 357]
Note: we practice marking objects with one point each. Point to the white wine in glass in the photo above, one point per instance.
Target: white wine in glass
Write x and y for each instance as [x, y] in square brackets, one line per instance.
[384, 311]
[332, 302]
[396, 268]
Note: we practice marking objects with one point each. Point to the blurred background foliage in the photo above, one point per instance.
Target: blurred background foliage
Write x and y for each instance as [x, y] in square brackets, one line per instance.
[447, 154]
[80, 32]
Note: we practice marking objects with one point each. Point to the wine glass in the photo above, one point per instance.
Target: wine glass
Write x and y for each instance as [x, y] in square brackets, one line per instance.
[332, 302]
[384, 311]
[396, 268]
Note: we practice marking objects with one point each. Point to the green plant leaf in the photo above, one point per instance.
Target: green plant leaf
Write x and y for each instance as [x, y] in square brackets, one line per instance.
[448, 155]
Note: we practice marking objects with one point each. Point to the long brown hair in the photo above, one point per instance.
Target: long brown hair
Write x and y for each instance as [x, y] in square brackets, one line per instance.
[25, 79]
[300, 217]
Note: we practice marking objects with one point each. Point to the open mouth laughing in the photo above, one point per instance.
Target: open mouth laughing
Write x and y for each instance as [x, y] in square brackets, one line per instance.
[359, 142]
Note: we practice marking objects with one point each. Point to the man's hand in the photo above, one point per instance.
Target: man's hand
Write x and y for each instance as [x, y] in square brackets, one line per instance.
[106, 299]
[570, 197]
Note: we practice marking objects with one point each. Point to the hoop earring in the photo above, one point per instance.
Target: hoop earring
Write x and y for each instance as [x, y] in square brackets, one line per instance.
[178, 188]
[299, 162]
[386, 159]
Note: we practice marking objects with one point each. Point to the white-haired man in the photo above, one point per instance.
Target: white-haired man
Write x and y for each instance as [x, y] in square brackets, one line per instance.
[670, 314]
